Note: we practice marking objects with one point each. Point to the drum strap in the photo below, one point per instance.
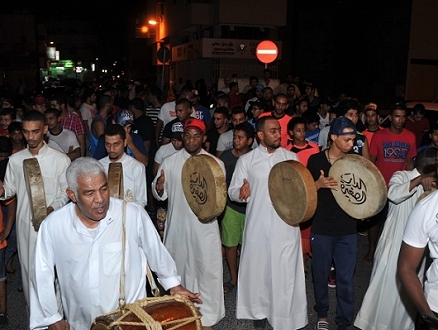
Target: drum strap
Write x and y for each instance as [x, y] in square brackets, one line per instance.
[154, 288]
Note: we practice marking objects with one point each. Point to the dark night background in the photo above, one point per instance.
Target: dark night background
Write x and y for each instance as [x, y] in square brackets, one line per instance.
[358, 47]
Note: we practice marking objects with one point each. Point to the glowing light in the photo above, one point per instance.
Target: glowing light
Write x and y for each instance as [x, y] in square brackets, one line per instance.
[144, 29]
[152, 22]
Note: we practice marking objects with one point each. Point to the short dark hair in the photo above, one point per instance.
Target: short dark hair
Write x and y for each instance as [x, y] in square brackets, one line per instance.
[71, 101]
[280, 95]
[59, 98]
[260, 123]
[294, 122]
[103, 100]
[310, 117]
[346, 105]
[398, 106]
[253, 78]
[53, 111]
[301, 100]
[238, 109]
[15, 126]
[247, 128]
[9, 112]
[138, 103]
[115, 129]
[184, 102]
[155, 91]
[232, 84]
[225, 98]
[419, 109]
[223, 111]
[34, 115]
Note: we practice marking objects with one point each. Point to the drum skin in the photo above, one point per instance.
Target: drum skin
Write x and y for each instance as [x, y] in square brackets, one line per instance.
[115, 180]
[163, 312]
[204, 186]
[362, 191]
[292, 191]
[35, 190]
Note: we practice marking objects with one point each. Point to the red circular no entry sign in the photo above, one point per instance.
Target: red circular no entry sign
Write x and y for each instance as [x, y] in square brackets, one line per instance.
[266, 51]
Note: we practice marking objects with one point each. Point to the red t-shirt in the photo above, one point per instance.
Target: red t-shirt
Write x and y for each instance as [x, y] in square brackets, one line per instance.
[391, 151]
[305, 151]
[418, 128]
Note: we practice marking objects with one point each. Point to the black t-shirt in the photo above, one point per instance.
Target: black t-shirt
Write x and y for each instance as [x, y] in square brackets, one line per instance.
[146, 129]
[329, 218]
[230, 164]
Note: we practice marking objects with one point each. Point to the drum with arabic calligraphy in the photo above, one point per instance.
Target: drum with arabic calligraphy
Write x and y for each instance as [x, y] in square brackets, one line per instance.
[204, 186]
[361, 189]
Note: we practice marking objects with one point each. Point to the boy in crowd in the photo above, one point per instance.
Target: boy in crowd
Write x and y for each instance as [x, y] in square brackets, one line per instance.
[169, 149]
[7, 117]
[312, 126]
[16, 136]
[371, 121]
[233, 221]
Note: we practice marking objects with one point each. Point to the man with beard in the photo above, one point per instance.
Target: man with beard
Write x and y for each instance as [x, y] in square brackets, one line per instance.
[262, 291]
[53, 165]
[134, 177]
[193, 243]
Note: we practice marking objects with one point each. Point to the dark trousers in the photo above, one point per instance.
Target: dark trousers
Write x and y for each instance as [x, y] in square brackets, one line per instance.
[343, 250]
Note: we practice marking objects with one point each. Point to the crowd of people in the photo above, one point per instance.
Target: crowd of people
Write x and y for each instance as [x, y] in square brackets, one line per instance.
[71, 266]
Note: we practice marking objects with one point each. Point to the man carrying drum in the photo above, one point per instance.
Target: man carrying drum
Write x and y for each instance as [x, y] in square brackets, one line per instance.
[53, 165]
[194, 243]
[271, 282]
[334, 234]
[86, 249]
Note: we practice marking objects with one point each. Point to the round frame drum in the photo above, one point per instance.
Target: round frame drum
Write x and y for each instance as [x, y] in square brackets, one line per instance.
[361, 189]
[35, 190]
[168, 312]
[292, 191]
[115, 180]
[204, 186]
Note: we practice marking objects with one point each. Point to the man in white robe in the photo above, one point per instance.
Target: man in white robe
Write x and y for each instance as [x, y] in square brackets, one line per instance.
[386, 305]
[134, 175]
[194, 245]
[271, 281]
[53, 165]
[83, 241]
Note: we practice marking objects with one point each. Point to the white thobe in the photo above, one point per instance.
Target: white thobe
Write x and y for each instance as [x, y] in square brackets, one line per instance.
[134, 177]
[88, 267]
[163, 152]
[271, 281]
[195, 246]
[53, 165]
[385, 305]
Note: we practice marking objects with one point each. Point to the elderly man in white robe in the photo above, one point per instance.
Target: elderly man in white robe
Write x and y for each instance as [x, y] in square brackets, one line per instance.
[53, 165]
[386, 305]
[271, 283]
[134, 175]
[195, 245]
[86, 248]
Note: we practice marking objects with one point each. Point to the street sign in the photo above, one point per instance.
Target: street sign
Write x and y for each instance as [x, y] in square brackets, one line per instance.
[163, 54]
[266, 51]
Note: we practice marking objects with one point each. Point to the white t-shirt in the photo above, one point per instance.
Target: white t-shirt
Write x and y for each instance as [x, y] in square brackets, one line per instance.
[422, 230]
[167, 112]
[87, 113]
[63, 140]
[163, 152]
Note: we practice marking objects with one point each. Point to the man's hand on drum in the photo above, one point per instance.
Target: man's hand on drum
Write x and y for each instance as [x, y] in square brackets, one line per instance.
[60, 325]
[179, 289]
[326, 182]
[159, 186]
[245, 190]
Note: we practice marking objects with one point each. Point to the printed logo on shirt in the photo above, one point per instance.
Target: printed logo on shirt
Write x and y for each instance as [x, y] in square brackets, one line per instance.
[396, 150]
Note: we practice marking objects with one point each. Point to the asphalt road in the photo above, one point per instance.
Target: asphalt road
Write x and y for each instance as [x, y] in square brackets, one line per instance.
[18, 319]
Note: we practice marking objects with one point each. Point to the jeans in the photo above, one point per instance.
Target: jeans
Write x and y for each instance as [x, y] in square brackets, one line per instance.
[342, 250]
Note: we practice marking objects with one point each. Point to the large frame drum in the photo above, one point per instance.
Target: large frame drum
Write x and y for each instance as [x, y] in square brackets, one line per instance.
[362, 190]
[292, 191]
[204, 186]
[35, 190]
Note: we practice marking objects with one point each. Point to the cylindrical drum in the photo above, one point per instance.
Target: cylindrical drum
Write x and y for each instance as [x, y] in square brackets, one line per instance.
[35, 190]
[361, 189]
[292, 191]
[167, 313]
[204, 186]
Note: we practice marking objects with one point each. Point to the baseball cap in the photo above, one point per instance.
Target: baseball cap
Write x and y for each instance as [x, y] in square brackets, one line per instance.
[39, 100]
[124, 117]
[371, 106]
[339, 124]
[260, 87]
[195, 123]
[176, 130]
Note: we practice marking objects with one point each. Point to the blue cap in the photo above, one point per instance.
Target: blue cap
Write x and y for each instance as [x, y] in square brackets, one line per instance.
[339, 124]
[124, 117]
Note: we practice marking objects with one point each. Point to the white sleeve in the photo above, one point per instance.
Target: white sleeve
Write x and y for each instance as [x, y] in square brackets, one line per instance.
[416, 233]
[240, 173]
